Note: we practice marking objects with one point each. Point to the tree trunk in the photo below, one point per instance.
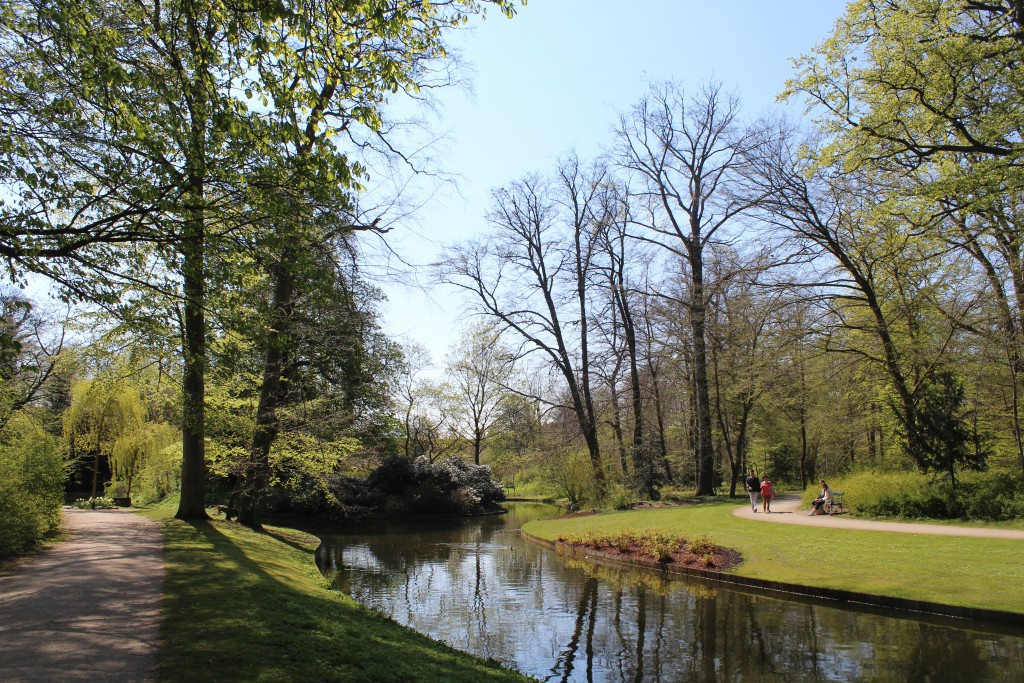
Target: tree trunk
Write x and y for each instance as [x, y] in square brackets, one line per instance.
[193, 432]
[193, 251]
[698, 312]
[256, 478]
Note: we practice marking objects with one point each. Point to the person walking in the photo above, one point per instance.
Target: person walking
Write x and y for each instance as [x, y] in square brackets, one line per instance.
[767, 492]
[753, 488]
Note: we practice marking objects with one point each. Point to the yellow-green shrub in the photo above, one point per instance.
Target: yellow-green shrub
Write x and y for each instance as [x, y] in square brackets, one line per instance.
[32, 474]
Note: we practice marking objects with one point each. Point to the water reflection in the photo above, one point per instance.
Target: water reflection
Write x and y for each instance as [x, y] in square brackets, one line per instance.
[476, 585]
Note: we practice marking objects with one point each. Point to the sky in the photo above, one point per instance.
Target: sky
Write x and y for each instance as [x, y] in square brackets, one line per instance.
[554, 79]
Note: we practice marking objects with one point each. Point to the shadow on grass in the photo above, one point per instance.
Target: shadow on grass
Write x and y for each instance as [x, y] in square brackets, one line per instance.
[245, 606]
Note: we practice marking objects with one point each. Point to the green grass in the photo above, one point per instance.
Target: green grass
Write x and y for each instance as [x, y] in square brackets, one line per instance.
[245, 606]
[971, 572]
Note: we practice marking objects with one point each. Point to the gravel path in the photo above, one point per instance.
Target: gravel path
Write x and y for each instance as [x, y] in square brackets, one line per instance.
[87, 609]
[785, 509]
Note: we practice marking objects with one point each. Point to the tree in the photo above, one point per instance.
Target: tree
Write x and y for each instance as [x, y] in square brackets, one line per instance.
[941, 441]
[479, 369]
[688, 152]
[908, 83]
[742, 332]
[128, 128]
[102, 412]
[934, 92]
[29, 355]
[532, 279]
[890, 288]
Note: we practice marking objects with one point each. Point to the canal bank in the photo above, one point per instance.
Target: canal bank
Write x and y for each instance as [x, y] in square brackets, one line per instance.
[480, 586]
[738, 580]
[962, 575]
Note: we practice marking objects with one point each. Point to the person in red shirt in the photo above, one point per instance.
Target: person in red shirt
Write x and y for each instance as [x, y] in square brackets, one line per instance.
[766, 495]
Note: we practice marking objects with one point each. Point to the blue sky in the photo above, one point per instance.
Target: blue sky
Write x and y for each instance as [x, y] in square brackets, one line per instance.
[553, 79]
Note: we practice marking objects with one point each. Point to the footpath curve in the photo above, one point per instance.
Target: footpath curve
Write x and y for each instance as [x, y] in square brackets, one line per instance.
[785, 510]
[87, 609]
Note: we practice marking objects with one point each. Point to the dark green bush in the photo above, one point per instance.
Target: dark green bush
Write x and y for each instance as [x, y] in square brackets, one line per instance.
[414, 485]
[32, 474]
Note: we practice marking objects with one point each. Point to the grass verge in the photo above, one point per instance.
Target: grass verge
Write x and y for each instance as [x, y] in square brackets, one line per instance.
[245, 606]
[969, 572]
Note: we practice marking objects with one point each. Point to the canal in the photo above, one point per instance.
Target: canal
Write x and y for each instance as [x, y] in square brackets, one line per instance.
[475, 584]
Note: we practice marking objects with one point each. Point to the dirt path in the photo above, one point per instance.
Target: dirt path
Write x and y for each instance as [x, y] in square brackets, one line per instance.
[785, 509]
[87, 609]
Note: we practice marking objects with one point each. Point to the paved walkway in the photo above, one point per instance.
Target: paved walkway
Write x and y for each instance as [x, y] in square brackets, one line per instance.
[785, 510]
[87, 609]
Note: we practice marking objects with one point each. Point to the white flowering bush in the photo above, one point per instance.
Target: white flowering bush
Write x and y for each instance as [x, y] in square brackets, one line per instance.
[408, 485]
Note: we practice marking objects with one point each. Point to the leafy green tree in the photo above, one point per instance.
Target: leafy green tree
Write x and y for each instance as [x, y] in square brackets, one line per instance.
[101, 413]
[128, 129]
[932, 93]
[942, 441]
[892, 290]
[132, 454]
[906, 83]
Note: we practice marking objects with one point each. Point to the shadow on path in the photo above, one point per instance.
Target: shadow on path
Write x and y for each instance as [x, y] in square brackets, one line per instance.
[87, 609]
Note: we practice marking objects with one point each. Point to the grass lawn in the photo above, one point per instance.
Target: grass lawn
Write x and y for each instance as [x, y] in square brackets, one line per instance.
[972, 572]
[244, 606]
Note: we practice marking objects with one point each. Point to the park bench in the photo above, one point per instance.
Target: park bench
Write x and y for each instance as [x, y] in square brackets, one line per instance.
[227, 511]
[837, 506]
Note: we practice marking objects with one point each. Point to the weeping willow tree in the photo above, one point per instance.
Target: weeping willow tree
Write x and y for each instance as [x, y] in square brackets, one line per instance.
[132, 452]
[101, 413]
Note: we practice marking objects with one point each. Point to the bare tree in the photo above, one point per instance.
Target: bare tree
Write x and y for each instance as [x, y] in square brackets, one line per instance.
[688, 152]
[531, 277]
[479, 369]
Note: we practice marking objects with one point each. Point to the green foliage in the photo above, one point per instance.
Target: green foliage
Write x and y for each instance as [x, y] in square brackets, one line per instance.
[160, 474]
[247, 606]
[304, 467]
[101, 412]
[938, 438]
[406, 485]
[132, 453]
[32, 475]
[570, 473]
[621, 497]
[995, 495]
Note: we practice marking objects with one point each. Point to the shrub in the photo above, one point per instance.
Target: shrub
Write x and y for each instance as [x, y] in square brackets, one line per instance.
[996, 495]
[621, 498]
[407, 485]
[93, 503]
[649, 543]
[32, 474]
[702, 545]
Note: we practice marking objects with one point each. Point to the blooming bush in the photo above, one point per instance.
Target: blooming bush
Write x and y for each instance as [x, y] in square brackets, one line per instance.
[415, 485]
[93, 503]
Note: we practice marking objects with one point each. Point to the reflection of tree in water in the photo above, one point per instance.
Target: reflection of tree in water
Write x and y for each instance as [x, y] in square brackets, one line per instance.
[482, 590]
[586, 614]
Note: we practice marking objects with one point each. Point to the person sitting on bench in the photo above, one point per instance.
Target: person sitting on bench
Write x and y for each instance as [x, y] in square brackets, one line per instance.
[824, 498]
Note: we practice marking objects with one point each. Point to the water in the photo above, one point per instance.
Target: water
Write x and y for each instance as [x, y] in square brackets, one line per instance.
[478, 586]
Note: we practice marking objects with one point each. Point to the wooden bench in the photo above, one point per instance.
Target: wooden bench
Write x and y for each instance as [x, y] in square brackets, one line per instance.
[837, 506]
[228, 511]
